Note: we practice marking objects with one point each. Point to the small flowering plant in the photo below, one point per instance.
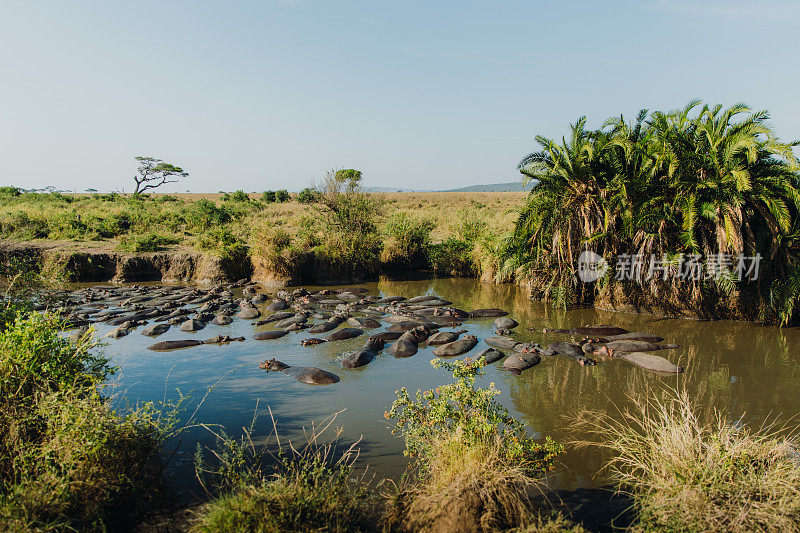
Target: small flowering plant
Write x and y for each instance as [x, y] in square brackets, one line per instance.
[467, 413]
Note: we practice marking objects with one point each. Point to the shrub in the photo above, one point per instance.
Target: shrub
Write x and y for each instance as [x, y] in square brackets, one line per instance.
[205, 214]
[10, 191]
[148, 242]
[406, 238]
[686, 475]
[67, 461]
[308, 196]
[475, 461]
[237, 196]
[282, 196]
[268, 197]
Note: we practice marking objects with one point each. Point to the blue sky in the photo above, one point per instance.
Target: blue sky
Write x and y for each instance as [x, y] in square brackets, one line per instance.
[417, 94]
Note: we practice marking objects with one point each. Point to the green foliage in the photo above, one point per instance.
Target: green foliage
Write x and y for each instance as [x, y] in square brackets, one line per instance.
[237, 196]
[407, 238]
[702, 180]
[153, 173]
[67, 461]
[35, 356]
[205, 214]
[313, 488]
[148, 242]
[10, 191]
[268, 197]
[308, 196]
[468, 413]
[282, 195]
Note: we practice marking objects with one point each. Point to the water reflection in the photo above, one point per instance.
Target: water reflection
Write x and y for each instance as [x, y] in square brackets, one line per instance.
[733, 366]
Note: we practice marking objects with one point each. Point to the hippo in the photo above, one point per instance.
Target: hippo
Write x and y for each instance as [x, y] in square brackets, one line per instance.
[503, 332]
[634, 336]
[221, 320]
[395, 319]
[516, 363]
[452, 312]
[120, 331]
[505, 323]
[275, 317]
[461, 346]
[571, 350]
[652, 362]
[277, 305]
[270, 335]
[248, 313]
[365, 355]
[420, 299]
[312, 341]
[443, 337]
[403, 347]
[304, 374]
[486, 313]
[156, 329]
[223, 339]
[325, 326]
[533, 347]
[345, 333]
[387, 336]
[365, 323]
[404, 325]
[621, 346]
[490, 355]
[391, 299]
[503, 343]
[174, 345]
[191, 325]
[259, 299]
[590, 330]
[295, 319]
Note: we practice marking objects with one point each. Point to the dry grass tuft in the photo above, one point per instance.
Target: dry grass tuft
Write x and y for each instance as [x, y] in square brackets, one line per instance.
[688, 475]
[465, 487]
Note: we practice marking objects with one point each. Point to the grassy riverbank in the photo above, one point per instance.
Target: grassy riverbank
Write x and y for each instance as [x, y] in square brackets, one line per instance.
[449, 233]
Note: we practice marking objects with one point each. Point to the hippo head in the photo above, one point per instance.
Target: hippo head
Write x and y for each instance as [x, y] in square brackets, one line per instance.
[376, 343]
[272, 364]
[599, 350]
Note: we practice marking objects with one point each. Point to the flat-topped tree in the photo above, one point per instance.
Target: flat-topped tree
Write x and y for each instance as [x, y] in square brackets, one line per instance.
[154, 173]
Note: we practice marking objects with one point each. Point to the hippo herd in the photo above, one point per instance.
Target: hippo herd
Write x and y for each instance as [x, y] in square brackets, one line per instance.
[332, 315]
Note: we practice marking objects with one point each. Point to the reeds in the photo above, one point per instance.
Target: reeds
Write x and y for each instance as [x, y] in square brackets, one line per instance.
[687, 474]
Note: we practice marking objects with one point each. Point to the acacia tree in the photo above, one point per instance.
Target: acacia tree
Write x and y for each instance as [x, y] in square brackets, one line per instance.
[154, 173]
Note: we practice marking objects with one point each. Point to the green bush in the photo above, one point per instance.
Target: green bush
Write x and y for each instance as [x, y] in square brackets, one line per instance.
[268, 197]
[282, 196]
[406, 238]
[67, 461]
[205, 214]
[10, 191]
[148, 242]
[238, 196]
[471, 414]
[308, 196]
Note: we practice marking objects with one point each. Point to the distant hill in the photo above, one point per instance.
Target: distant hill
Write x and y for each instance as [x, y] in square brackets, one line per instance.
[494, 187]
[487, 187]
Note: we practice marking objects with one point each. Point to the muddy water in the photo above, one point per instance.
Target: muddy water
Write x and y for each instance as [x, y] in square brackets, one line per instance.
[743, 369]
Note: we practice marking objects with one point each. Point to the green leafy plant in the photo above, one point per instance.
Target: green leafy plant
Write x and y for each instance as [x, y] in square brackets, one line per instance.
[471, 414]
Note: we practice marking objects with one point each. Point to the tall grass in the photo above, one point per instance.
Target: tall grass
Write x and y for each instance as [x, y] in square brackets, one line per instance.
[67, 460]
[282, 488]
[686, 474]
